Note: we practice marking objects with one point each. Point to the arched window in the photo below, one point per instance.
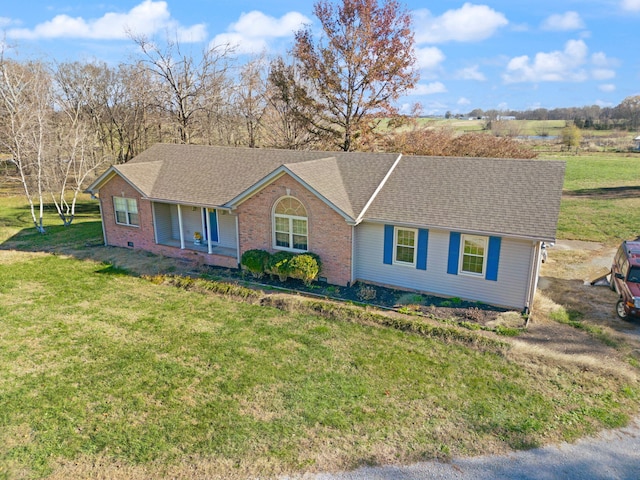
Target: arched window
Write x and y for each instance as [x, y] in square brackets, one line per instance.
[290, 225]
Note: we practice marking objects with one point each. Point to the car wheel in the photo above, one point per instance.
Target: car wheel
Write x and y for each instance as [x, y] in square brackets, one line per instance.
[620, 310]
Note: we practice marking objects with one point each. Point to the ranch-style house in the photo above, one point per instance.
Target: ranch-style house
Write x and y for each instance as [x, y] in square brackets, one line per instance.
[470, 228]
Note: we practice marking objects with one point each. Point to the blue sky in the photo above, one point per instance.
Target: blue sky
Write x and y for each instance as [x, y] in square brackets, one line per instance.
[494, 54]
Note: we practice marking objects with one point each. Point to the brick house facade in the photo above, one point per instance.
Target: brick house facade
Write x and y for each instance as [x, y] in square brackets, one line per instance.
[459, 227]
[329, 235]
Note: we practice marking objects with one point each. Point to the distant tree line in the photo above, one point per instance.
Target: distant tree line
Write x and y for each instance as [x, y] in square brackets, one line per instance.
[625, 116]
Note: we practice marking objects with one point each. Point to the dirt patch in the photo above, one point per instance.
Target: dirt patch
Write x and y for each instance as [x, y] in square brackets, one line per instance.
[565, 283]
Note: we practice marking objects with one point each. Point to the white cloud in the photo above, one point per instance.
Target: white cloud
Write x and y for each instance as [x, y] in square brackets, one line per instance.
[631, 5]
[147, 18]
[603, 74]
[563, 22]
[469, 23]
[601, 60]
[429, 57]
[471, 73]
[428, 88]
[5, 22]
[607, 87]
[463, 101]
[558, 66]
[253, 30]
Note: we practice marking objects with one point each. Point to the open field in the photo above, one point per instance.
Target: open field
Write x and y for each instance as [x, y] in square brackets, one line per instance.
[601, 198]
[106, 374]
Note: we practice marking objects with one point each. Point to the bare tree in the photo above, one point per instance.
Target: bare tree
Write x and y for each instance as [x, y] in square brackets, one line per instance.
[183, 84]
[364, 62]
[25, 107]
[288, 123]
[251, 98]
[75, 155]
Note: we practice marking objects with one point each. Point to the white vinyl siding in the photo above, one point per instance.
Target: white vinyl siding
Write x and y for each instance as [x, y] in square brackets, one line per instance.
[516, 259]
[227, 230]
[163, 223]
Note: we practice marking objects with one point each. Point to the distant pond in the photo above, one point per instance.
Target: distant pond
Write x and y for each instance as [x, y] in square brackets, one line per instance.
[538, 137]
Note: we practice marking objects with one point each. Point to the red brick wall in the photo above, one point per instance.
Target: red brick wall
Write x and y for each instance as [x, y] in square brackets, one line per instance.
[329, 234]
[118, 235]
[143, 237]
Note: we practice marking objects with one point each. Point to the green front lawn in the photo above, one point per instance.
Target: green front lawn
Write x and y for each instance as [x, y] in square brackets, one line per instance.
[95, 363]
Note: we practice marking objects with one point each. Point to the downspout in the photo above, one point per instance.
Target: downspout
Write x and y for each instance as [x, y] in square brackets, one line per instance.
[353, 255]
[155, 229]
[533, 279]
[180, 227]
[237, 240]
[104, 230]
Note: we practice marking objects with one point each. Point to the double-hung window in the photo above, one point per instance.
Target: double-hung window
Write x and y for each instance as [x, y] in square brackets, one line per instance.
[404, 248]
[290, 226]
[126, 211]
[474, 255]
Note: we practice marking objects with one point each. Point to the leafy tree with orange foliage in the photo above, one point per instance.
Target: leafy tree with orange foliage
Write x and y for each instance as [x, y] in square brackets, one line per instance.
[363, 62]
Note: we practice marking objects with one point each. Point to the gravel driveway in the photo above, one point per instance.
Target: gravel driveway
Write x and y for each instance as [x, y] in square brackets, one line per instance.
[612, 455]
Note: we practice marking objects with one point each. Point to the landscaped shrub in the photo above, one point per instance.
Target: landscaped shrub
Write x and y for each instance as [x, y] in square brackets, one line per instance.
[278, 264]
[305, 266]
[255, 261]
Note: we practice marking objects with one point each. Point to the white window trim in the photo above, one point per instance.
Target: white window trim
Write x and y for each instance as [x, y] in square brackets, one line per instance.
[484, 259]
[126, 206]
[290, 218]
[395, 246]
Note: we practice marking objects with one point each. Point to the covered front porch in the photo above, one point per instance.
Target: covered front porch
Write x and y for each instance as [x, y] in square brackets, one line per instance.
[187, 227]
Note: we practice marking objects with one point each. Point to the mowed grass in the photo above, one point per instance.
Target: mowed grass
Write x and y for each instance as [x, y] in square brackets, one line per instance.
[105, 374]
[97, 364]
[601, 200]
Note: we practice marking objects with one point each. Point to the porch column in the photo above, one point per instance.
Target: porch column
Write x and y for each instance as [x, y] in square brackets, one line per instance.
[208, 222]
[180, 227]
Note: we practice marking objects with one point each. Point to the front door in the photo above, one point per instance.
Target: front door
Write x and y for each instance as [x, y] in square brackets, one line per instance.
[213, 222]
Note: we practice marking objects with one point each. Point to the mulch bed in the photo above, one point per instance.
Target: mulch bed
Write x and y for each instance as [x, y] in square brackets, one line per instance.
[374, 295]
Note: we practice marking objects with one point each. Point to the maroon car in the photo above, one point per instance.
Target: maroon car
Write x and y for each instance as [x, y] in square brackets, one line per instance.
[625, 279]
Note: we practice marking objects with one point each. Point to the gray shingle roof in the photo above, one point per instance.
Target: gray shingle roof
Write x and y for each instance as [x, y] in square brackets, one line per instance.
[213, 176]
[501, 196]
[495, 196]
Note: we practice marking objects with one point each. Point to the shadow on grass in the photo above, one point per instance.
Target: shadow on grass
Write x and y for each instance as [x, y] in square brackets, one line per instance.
[605, 193]
[113, 270]
[57, 238]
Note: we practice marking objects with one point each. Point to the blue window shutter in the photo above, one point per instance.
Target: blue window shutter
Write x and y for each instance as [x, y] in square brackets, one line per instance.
[493, 258]
[454, 253]
[388, 244]
[423, 243]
